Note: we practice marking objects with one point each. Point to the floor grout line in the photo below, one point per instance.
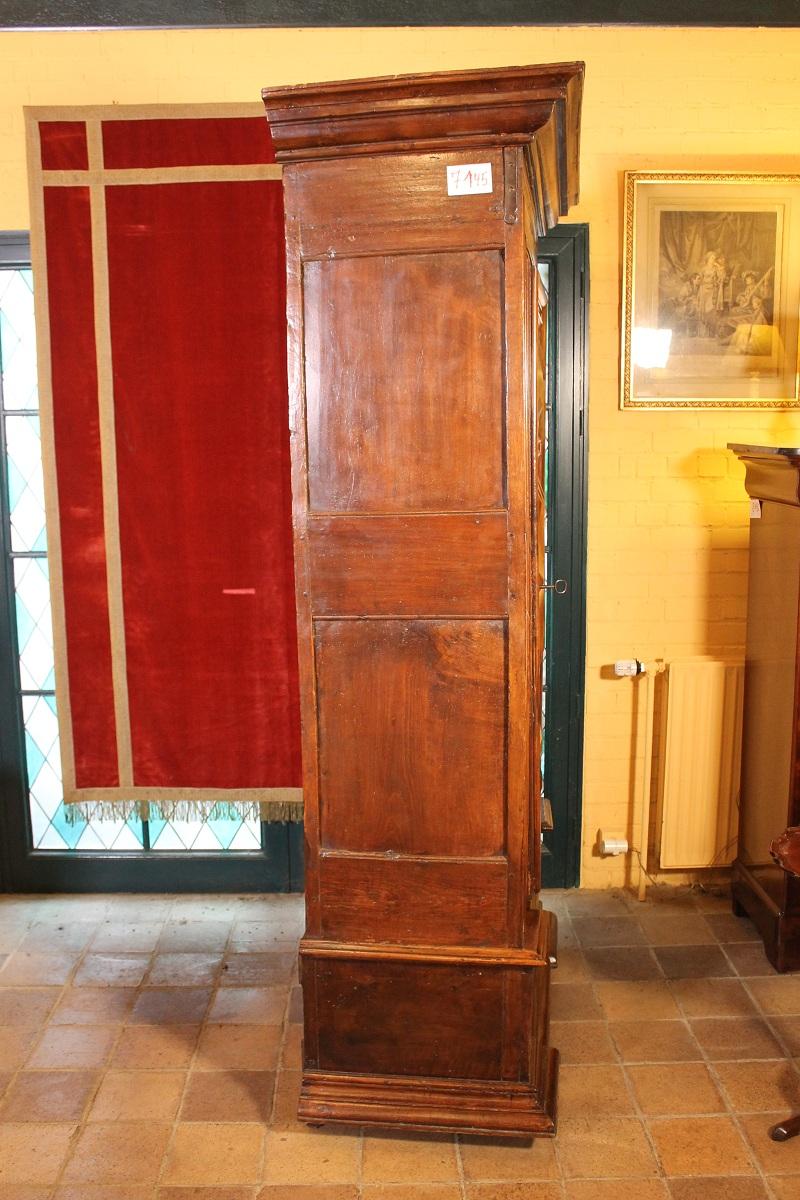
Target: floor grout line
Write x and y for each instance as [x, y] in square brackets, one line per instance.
[789, 1059]
[101, 1068]
[760, 1172]
[279, 1067]
[726, 1100]
[74, 1137]
[360, 1161]
[203, 1025]
[462, 1180]
[644, 1123]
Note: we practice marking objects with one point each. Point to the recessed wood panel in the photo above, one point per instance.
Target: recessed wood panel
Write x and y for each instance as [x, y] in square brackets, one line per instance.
[414, 901]
[408, 1018]
[365, 565]
[416, 237]
[404, 382]
[412, 735]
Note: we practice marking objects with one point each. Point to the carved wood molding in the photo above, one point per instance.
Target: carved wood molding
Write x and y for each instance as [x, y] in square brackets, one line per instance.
[535, 106]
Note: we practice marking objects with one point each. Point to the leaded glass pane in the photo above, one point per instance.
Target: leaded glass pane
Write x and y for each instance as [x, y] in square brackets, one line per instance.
[67, 831]
[64, 832]
[164, 836]
[17, 340]
[110, 835]
[46, 789]
[40, 825]
[34, 624]
[247, 836]
[44, 771]
[26, 487]
[41, 733]
[219, 831]
[54, 826]
[127, 837]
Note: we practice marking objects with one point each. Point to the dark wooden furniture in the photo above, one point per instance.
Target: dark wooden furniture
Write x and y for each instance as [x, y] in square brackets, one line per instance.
[415, 373]
[770, 794]
[785, 850]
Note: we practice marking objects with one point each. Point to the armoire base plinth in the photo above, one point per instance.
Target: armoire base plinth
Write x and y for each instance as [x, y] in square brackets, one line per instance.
[446, 1106]
[778, 924]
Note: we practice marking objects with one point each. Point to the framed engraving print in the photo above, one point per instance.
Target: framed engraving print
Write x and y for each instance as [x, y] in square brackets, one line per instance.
[711, 290]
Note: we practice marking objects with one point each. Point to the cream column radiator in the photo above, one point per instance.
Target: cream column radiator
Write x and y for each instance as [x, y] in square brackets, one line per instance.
[700, 760]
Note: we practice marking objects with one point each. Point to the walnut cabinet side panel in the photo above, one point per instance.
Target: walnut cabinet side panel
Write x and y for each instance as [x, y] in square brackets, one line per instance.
[413, 377]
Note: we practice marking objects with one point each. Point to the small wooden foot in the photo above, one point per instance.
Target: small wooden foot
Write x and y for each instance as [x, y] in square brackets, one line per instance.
[738, 910]
[785, 1129]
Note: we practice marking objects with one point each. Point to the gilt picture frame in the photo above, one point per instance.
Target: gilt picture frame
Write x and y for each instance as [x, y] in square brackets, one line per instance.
[710, 290]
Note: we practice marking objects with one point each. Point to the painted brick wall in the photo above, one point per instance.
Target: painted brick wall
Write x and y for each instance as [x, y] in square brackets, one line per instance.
[668, 518]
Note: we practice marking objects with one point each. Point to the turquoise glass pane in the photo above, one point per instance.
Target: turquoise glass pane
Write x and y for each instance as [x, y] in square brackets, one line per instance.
[63, 834]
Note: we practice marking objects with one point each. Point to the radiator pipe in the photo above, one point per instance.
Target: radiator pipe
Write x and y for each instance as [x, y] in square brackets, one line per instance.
[651, 670]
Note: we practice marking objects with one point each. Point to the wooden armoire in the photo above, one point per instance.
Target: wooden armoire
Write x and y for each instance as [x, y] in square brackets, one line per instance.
[416, 372]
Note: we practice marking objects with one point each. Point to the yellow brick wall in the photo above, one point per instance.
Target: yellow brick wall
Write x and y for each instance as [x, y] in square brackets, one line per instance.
[668, 521]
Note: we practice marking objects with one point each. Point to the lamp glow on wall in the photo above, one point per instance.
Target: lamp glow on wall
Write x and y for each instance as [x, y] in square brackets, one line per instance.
[650, 347]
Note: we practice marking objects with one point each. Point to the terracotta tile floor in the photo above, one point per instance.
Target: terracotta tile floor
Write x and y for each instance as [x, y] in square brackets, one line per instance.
[150, 1050]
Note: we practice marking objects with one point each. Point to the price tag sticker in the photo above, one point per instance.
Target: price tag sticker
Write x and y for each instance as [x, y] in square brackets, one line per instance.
[469, 179]
[755, 509]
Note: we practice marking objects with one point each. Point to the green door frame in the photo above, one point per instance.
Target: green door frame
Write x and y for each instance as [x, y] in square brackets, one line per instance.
[566, 251]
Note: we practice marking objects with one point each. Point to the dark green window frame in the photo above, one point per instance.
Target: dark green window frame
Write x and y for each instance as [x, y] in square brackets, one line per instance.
[566, 251]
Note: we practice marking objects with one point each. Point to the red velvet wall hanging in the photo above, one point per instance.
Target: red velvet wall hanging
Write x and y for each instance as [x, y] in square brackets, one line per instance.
[157, 236]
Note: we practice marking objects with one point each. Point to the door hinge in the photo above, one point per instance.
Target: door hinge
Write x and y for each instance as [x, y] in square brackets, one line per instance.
[510, 201]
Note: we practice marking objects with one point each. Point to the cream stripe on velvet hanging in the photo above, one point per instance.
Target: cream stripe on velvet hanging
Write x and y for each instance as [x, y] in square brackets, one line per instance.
[157, 240]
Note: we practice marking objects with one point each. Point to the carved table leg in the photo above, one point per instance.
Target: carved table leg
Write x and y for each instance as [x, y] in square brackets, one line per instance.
[785, 1129]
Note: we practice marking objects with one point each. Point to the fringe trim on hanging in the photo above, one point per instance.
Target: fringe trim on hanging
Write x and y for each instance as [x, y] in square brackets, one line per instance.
[176, 804]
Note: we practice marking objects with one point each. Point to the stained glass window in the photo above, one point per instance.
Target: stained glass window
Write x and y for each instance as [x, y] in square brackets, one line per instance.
[217, 832]
[50, 827]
